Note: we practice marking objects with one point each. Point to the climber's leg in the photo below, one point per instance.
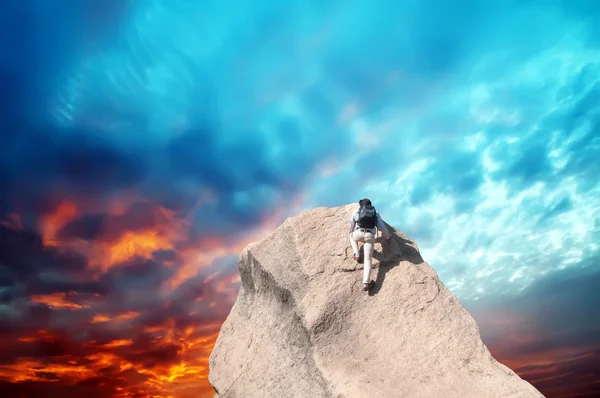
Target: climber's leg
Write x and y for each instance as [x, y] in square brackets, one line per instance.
[356, 236]
[369, 240]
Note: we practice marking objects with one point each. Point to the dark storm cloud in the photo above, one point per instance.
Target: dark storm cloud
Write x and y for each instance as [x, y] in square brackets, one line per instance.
[229, 169]
[92, 388]
[44, 165]
[570, 295]
[135, 275]
[107, 227]
[25, 261]
[85, 160]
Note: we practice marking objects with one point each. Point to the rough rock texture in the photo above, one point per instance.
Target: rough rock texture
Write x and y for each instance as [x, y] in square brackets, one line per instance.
[303, 327]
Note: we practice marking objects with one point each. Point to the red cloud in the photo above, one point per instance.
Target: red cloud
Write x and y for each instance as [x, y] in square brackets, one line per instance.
[130, 340]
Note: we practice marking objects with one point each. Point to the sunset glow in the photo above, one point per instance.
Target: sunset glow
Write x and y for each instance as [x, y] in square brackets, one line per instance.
[156, 356]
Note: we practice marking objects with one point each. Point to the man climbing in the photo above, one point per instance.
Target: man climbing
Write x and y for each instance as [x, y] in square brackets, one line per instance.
[363, 226]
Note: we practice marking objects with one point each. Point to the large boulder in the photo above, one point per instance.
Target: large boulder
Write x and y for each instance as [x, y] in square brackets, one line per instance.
[303, 327]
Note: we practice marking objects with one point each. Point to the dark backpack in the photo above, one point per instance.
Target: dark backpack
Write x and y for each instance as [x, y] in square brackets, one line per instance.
[367, 217]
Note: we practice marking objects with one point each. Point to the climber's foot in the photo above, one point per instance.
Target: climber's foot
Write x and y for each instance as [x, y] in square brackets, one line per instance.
[367, 286]
[355, 257]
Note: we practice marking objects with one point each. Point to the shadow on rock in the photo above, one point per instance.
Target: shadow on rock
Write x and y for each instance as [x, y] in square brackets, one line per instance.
[392, 253]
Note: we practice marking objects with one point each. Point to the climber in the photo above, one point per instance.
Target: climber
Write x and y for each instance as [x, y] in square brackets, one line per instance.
[363, 228]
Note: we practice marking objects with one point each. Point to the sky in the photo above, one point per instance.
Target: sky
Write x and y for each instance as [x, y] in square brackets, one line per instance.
[145, 143]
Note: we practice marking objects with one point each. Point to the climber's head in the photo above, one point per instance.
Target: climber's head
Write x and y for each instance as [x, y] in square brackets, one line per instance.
[365, 202]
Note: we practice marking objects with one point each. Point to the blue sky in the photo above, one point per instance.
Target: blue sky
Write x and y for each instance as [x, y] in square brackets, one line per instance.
[474, 129]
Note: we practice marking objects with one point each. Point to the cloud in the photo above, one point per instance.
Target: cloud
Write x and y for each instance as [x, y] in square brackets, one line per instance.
[24, 258]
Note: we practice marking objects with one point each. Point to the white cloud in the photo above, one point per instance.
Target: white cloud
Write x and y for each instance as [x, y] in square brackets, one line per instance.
[524, 223]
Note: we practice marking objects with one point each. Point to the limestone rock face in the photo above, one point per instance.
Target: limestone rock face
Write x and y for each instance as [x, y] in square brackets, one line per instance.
[303, 327]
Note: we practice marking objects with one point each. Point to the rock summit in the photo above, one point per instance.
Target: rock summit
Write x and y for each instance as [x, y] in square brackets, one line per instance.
[303, 327]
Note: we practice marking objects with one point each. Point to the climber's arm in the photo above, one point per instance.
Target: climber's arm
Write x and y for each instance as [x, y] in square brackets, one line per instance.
[352, 222]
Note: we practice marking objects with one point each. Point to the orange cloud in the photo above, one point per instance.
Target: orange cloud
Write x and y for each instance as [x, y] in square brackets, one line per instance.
[116, 243]
[118, 343]
[186, 377]
[56, 300]
[132, 244]
[29, 370]
[102, 318]
[165, 233]
[193, 262]
[51, 224]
